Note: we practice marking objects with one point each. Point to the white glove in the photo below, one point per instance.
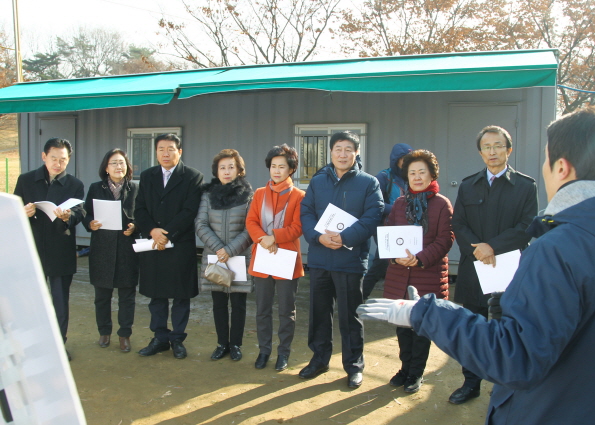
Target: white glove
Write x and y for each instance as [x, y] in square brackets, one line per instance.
[397, 312]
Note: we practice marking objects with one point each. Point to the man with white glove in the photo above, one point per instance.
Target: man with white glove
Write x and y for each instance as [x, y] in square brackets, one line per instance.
[396, 312]
[539, 352]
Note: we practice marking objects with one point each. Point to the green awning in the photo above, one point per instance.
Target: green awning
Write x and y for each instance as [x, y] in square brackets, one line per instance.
[96, 93]
[420, 73]
[397, 74]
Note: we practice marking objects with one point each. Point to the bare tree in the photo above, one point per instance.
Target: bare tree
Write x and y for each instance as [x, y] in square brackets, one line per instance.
[239, 32]
[7, 60]
[402, 27]
[395, 27]
[91, 52]
[567, 25]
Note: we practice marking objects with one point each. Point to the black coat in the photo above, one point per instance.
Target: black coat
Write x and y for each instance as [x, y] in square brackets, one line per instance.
[55, 241]
[497, 215]
[112, 261]
[171, 273]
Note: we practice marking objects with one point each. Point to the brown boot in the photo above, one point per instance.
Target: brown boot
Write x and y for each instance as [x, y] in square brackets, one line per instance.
[125, 344]
[104, 341]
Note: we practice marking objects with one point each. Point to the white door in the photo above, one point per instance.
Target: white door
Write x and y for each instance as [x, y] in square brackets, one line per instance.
[62, 127]
[464, 123]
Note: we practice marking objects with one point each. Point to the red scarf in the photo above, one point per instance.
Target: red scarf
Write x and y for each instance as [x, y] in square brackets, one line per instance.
[432, 187]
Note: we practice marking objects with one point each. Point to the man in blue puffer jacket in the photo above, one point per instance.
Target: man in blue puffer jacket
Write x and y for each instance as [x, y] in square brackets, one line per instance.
[336, 271]
[540, 352]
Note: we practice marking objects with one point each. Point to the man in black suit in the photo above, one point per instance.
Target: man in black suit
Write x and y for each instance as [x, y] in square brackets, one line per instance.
[494, 207]
[55, 238]
[166, 205]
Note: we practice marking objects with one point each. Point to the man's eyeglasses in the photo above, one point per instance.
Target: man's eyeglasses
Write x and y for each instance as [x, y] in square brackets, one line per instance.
[495, 147]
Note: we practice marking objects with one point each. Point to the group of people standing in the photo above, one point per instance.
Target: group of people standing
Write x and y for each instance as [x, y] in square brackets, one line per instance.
[171, 204]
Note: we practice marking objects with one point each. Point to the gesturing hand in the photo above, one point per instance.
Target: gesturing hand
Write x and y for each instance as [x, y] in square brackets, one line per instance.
[397, 312]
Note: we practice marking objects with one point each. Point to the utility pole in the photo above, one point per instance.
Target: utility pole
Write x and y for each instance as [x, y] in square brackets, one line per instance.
[17, 40]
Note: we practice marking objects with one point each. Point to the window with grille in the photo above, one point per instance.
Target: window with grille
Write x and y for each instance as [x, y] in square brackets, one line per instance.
[141, 149]
[311, 142]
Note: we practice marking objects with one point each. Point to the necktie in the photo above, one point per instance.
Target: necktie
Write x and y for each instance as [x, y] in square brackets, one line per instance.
[166, 176]
[492, 179]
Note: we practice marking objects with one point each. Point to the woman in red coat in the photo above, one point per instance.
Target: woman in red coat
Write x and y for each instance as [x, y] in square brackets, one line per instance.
[427, 270]
[274, 222]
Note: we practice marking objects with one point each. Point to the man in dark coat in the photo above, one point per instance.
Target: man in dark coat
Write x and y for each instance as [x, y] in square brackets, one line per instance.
[166, 206]
[539, 354]
[492, 212]
[55, 240]
[335, 270]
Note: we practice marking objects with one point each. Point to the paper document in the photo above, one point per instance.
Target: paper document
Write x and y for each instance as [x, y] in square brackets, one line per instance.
[281, 264]
[334, 219]
[108, 213]
[236, 264]
[394, 240]
[142, 245]
[49, 207]
[497, 278]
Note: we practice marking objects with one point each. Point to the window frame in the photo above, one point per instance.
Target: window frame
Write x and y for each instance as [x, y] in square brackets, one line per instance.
[327, 130]
[154, 131]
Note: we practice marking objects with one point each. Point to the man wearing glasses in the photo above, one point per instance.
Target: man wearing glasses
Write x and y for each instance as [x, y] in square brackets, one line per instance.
[493, 209]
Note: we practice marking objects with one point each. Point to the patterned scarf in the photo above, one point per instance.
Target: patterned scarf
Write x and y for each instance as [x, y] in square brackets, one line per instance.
[116, 188]
[268, 219]
[417, 205]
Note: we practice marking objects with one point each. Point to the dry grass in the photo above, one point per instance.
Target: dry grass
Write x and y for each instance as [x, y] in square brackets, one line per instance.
[9, 152]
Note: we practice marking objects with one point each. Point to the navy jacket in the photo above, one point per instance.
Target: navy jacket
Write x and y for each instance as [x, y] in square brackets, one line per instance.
[540, 354]
[391, 181]
[357, 193]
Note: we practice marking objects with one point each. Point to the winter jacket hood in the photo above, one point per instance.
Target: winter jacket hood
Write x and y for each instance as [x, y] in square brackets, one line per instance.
[398, 152]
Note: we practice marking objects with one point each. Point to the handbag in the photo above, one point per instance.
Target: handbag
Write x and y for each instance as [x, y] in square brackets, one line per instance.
[219, 275]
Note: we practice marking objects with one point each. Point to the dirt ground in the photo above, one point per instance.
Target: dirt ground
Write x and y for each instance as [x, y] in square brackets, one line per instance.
[117, 388]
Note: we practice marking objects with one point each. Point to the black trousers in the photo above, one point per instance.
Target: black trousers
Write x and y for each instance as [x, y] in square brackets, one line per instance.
[103, 310]
[60, 290]
[471, 379]
[226, 334]
[326, 288]
[180, 313]
[414, 351]
[375, 272]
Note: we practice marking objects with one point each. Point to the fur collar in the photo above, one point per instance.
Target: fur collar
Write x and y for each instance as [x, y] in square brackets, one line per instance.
[225, 196]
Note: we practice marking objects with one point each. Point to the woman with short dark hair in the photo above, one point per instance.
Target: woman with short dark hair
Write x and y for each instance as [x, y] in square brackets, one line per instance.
[274, 222]
[112, 260]
[221, 226]
[427, 270]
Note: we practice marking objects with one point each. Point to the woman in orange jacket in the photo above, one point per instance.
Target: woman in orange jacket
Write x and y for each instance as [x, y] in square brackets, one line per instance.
[274, 222]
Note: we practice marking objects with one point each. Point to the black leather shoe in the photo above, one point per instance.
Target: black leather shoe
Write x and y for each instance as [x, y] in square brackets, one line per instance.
[413, 383]
[312, 371]
[281, 362]
[354, 380]
[220, 352]
[179, 350]
[235, 353]
[154, 347]
[463, 395]
[104, 341]
[68, 355]
[399, 379]
[261, 361]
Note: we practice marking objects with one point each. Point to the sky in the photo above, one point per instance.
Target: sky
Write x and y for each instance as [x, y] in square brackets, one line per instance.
[137, 20]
